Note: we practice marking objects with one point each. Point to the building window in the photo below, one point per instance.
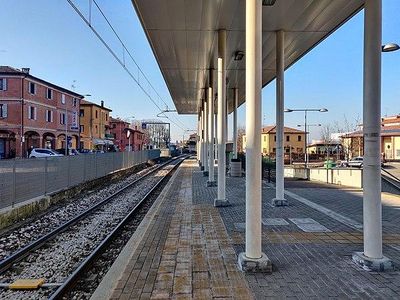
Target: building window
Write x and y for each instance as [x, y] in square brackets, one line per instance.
[3, 84]
[32, 88]
[62, 98]
[62, 118]
[31, 113]
[81, 112]
[274, 138]
[49, 94]
[74, 101]
[97, 129]
[265, 139]
[288, 138]
[49, 116]
[287, 150]
[97, 114]
[299, 138]
[82, 128]
[3, 110]
[106, 117]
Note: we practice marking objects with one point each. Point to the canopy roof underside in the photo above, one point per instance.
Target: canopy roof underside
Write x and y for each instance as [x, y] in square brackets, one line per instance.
[183, 35]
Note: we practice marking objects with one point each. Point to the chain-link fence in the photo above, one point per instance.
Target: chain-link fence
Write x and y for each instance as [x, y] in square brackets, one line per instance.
[24, 179]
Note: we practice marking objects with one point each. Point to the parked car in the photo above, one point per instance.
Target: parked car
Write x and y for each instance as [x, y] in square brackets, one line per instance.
[358, 162]
[42, 152]
[85, 151]
[70, 151]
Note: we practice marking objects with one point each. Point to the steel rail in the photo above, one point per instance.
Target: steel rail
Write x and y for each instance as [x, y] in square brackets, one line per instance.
[68, 283]
[6, 263]
[390, 175]
[391, 181]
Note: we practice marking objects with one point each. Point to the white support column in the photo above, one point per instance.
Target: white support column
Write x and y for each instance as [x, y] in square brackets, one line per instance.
[203, 151]
[253, 259]
[201, 140]
[279, 199]
[226, 112]
[372, 257]
[205, 134]
[216, 134]
[235, 105]
[198, 140]
[211, 180]
[221, 197]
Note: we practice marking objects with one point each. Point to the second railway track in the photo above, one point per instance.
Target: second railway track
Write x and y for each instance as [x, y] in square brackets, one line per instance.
[60, 256]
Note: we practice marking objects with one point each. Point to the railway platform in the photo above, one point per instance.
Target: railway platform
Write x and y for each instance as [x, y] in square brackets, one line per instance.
[185, 248]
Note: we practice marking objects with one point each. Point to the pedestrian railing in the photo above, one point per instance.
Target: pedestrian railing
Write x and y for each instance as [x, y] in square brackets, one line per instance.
[24, 179]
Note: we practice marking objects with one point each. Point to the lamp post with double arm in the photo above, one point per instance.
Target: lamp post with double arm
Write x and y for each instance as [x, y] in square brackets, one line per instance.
[305, 110]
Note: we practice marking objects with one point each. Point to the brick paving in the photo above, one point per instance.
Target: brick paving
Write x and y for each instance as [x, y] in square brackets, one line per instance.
[311, 264]
[186, 252]
[352, 207]
[190, 248]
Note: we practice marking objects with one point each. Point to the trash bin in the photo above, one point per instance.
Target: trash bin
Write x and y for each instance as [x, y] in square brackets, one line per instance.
[236, 167]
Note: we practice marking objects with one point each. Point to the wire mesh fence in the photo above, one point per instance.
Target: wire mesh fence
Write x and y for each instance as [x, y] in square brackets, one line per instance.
[24, 179]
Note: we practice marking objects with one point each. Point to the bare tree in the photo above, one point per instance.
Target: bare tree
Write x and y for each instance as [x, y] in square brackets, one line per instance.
[344, 128]
[241, 131]
[326, 137]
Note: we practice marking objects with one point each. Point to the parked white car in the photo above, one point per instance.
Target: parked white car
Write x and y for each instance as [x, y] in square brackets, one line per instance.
[42, 152]
[358, 162]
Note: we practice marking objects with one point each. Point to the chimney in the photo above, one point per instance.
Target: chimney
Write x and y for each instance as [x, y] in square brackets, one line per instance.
[102, 103]
[26, 70]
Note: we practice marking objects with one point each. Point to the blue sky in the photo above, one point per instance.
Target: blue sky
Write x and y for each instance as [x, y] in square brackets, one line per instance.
[50, 38]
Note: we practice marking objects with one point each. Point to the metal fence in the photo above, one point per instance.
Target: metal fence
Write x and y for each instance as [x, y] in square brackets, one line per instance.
[24, 179]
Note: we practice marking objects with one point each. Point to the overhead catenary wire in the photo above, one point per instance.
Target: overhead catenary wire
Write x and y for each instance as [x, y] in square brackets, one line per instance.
[89, 23]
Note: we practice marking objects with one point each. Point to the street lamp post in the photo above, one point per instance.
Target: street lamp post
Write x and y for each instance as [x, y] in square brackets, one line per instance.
[305, 126]
[66, 127]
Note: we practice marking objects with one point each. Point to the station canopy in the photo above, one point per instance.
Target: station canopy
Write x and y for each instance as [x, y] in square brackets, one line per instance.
[184, 37]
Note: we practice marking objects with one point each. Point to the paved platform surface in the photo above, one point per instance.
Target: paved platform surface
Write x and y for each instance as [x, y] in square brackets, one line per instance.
[189, 248]
[184, 252]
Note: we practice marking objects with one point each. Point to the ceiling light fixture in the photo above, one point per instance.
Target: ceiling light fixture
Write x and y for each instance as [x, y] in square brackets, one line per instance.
[239, 55]
[268, 2]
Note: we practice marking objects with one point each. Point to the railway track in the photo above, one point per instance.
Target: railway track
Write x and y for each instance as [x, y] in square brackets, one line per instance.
[60, 256]
[18, 236]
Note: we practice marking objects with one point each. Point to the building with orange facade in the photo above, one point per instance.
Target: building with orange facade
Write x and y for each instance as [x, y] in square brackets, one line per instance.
[95, 126]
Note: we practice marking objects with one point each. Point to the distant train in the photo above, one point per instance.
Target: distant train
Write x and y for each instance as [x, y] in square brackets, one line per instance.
[171, 151]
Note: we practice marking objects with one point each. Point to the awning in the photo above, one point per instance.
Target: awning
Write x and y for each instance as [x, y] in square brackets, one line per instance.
[183, 36]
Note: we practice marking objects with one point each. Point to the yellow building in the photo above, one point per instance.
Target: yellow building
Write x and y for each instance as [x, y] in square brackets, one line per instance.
[94, 125]
[293, 140]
